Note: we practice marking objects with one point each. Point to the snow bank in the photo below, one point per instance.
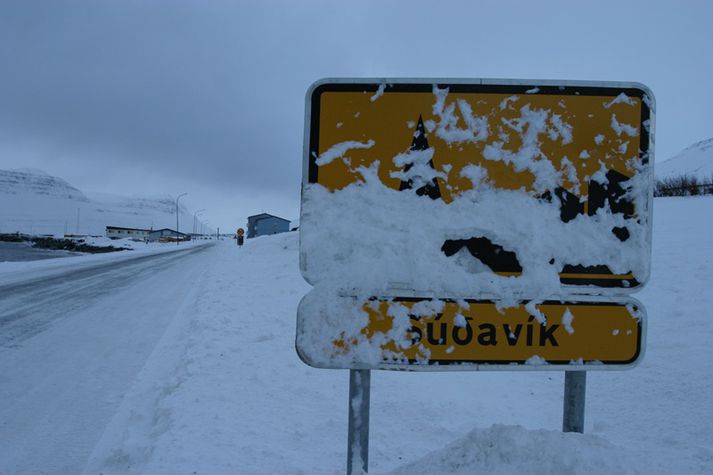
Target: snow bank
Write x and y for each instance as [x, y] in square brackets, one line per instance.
[514, 450]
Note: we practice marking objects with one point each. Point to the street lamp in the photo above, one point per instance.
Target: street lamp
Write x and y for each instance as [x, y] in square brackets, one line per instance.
[177, 198]
[195, 215]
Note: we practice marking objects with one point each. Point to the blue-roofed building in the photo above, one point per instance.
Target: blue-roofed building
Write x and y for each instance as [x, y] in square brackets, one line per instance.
[166, 235]
[264, 224]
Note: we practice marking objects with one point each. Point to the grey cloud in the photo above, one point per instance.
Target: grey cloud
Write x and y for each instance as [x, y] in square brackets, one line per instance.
[213, 92]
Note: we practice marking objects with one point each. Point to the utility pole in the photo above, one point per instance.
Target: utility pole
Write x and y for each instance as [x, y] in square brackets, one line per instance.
[195, 220]
[177, 198]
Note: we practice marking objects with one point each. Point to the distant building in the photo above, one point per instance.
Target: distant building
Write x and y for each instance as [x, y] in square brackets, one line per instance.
[265, 224]
[166, 234]
[115, 232]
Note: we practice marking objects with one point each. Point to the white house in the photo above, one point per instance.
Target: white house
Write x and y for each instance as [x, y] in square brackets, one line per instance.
[115, 232]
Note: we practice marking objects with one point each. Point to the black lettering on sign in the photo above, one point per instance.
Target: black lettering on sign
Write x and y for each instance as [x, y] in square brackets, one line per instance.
[529, 330]
[547, 335]
[467, 332]
[488, 335]
[430, 333]
[512, 334]
[416, 335]
[437, 333]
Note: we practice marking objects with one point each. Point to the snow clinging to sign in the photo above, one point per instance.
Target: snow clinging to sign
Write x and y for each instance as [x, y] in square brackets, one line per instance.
[511, 197]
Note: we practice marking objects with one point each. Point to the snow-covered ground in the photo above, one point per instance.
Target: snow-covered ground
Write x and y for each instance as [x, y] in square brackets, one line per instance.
[215, 386]
[223, 391]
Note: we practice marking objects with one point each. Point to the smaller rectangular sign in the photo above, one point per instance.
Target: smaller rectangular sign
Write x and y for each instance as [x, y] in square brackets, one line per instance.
[444, 334]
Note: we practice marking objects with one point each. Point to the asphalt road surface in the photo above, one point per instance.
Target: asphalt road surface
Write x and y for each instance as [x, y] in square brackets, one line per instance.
[70, 347]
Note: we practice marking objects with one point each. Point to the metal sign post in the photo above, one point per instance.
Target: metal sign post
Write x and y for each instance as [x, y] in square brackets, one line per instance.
[575, 389]
[358, 440]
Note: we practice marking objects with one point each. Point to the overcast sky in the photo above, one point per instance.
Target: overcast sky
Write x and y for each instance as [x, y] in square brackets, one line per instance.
[207, 97]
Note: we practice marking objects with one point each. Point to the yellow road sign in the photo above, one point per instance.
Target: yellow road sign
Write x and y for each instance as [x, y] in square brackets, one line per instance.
[584, 146]
[433, 334]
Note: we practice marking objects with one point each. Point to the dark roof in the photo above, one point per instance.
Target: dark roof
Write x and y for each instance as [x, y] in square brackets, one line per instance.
[128, 229]
[167, 229]
[260, 216]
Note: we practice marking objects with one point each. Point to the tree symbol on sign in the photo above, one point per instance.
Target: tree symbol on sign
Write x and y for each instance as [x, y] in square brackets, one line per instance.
[419, 143]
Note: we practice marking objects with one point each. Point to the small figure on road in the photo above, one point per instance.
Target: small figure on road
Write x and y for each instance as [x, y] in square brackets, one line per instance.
[240, 237]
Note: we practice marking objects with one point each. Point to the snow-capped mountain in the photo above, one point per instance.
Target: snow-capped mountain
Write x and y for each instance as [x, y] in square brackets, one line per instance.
[696, 160]
[32, 201]
[37, 182]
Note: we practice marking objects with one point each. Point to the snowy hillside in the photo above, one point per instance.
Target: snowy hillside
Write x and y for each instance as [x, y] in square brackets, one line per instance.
[26, 181]
[34, 202]
[696, 160]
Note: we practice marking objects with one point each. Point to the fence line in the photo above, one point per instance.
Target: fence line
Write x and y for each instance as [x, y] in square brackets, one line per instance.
[690, 189]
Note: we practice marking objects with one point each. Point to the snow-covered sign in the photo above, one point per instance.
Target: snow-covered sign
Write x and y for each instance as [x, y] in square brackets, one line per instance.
[474, 189]
[458, 334]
